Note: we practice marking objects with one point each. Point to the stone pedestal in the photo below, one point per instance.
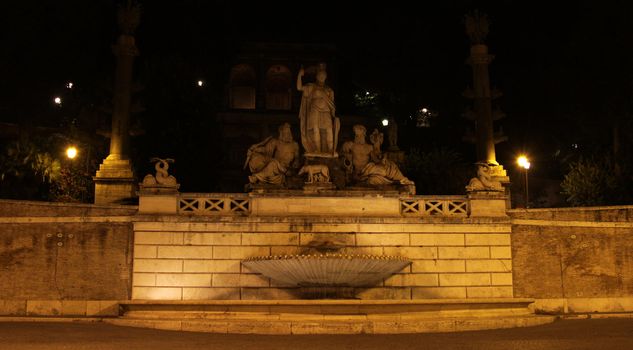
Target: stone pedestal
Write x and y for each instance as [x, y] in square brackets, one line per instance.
[318, 187]
[487, 203]
[500, 174]
[158, 199]
[114, 182]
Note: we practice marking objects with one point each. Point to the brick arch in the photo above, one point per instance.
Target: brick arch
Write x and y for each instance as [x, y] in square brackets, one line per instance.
[278, 85]
[242, 87]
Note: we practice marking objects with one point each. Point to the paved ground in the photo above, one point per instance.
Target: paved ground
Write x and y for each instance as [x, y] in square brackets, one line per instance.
[603, 334]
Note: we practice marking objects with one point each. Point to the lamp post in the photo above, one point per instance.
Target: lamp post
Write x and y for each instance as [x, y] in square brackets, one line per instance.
[525, 164]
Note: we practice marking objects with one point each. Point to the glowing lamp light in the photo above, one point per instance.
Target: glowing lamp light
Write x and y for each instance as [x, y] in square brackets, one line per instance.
[71, 152]
[424, 110]
[523, 162]
[58, 100]
[200, 83]
[385, 122]
[69, 85]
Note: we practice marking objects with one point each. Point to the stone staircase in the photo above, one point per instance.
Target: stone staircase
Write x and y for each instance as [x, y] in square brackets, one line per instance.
[329, 316]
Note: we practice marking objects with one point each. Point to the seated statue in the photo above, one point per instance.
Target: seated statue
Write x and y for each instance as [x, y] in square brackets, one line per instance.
[483, 181]
[366, 163]
[270, 159]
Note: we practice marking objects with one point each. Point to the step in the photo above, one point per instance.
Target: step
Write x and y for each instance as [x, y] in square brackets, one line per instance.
[329, 316]
[320, 307]
[426, 325]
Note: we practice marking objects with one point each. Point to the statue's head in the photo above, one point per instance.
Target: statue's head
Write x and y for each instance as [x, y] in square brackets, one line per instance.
[359, 130]
[285, 134]
[483, 169]
[321, 74]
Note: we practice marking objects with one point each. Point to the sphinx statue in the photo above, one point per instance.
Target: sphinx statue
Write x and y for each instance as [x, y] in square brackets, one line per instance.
[483, 181]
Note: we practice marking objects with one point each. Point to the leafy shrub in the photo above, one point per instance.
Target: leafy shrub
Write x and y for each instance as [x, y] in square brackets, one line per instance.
[589, 182]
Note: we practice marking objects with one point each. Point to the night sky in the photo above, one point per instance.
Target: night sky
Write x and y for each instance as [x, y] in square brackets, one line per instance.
[565, 68]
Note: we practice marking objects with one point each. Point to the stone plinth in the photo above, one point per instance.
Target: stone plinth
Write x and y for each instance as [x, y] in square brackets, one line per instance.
[318, 187]
[158, 199]
[114, 182]
[487, 203]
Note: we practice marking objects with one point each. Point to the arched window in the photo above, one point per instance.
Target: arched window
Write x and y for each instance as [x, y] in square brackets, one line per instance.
[278, 88]
[242, 86]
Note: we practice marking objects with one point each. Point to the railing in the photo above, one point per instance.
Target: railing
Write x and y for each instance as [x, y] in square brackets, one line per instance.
[434, 206]
[240, 204]
[213, 204]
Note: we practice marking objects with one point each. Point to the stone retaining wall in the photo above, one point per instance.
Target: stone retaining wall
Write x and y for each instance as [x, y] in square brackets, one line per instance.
[52, 251]
[574, 259]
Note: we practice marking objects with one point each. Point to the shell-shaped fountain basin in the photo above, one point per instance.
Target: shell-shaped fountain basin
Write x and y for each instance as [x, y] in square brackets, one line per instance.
[327, 270]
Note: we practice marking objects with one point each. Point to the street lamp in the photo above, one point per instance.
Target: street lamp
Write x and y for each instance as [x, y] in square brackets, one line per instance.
[200, 83]
[525, 164]
[71, 152]
[385, 122]
[57, 100]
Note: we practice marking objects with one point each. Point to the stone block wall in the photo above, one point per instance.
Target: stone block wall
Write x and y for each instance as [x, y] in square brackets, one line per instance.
[57, 258]
[568, 259]
[574, 259]
[184, 258]
[17, 208]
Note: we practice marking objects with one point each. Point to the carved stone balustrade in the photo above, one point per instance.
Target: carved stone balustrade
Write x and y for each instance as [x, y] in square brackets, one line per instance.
[434, 206]
[488, 204]
[213, 204]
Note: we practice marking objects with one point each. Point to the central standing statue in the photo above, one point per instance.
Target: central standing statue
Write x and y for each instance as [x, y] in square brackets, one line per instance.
[318, 121]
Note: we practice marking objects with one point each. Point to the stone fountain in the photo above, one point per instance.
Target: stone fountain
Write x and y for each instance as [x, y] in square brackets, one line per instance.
[361, 167]
[329, 224]
[329, 275]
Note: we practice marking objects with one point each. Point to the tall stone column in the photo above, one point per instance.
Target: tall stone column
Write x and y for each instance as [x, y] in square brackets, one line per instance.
[479, 61]
[482, 113]
[114, 181]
